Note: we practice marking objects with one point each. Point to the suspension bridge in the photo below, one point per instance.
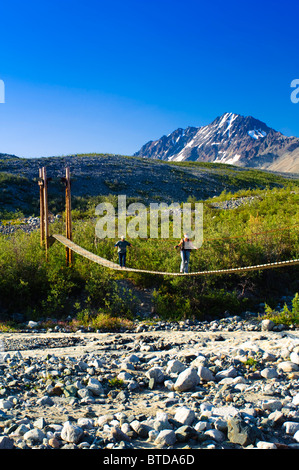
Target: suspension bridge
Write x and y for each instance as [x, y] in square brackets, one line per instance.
[72, 247]
[111, 265]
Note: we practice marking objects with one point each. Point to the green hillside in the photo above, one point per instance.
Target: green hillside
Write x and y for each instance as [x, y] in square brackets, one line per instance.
[96, 176]
[241, 228]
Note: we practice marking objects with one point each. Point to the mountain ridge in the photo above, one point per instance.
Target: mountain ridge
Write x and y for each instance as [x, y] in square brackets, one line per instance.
[232, 139]
[140, 179]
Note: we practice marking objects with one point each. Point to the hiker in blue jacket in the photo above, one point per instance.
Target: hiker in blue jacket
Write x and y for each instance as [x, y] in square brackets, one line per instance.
[122, 250]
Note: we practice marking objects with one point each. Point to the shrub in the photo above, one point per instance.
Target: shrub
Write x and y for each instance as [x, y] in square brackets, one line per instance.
[249, 234]
[285, 316]
[101, 321]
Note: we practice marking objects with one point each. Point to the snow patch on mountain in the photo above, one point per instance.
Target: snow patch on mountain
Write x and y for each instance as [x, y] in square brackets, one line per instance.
[257, 134]
[227, 159]
[230, 119]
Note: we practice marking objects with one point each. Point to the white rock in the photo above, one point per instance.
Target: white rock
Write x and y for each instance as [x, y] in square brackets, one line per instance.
[199, 361]
[125, 376]
[265, 445]
[29, 370]
[125, 428]
[95, 386]
[290, 427]
[166, 437]
[269, 357]
[276, 417]
[184, 415]
[175, 367]
[205, 374]
[96, 363]
[152, 435]
[114, 423]
[155, 373]
[45, 400]
[284, 352]
[294, 357]
[231, 372]
[139, 427]
[205, 406]
[161, 422]
[104, 419]
[187, 380]
[85, 423]
[169, 384]
[271, 405]
[269, 373]
[249, 412]
[296, 436]
[127, 365]
[201, 426]
[20, 431]
[5, 404]
[4, 357]
[85, 394]
[225, 411]
[35, 434]
[239, 380]
[215, 434]
[267, 325]
[288, 366]
[241, 387]
[162, 416]
[71, 433]
[107, 428]
[57, 427]
[233, 381]
[296, 399]
[132, 358]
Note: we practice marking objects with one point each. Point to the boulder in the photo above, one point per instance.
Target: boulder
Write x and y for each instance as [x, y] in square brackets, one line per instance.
[205, 374]
[187, 380]
[239, 432]
[166, 437]
[71, 433]
[184, 415]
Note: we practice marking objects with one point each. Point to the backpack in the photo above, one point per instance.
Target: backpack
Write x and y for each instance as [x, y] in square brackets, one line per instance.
[183, 246]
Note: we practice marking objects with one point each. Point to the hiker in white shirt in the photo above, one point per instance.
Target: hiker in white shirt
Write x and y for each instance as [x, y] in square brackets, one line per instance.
[185, 246]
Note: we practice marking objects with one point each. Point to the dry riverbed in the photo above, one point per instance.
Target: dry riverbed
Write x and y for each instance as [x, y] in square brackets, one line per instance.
[227, 386]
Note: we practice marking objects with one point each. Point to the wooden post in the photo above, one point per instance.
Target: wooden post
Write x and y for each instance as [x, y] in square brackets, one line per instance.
[68, 215]
[41, 207]
[46, 215]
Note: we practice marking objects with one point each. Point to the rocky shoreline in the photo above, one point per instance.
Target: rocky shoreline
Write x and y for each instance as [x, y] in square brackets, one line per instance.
[27, 225]
[227, 384]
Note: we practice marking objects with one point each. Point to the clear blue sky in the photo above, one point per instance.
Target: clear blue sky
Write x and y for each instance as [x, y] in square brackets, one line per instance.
[108, 76]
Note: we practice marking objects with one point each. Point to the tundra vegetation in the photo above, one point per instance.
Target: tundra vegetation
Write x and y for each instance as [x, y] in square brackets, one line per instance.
[241, 228]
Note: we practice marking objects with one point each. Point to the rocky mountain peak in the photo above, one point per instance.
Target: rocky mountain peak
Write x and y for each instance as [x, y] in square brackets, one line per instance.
[231, 139]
